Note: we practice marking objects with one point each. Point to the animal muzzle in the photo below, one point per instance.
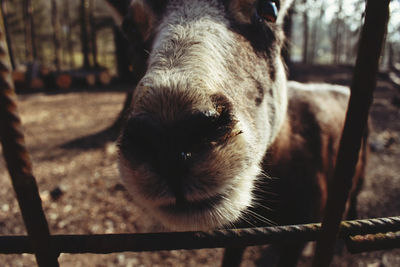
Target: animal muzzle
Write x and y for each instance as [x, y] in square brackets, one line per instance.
[172, 149]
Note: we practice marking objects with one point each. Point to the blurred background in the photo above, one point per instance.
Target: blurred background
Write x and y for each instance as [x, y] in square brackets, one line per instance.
[66, 36]
[73, 76]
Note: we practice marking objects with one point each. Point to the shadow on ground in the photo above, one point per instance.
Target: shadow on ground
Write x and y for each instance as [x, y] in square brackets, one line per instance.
[93, 141]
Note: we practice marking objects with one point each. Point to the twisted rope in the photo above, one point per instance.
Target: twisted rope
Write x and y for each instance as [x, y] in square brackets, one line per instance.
[111, 243]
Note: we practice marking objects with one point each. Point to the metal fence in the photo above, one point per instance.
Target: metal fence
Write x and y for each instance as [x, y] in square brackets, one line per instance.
[360, 235]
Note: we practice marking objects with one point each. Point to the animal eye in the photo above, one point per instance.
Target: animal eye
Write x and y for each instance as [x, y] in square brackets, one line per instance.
[268, 9]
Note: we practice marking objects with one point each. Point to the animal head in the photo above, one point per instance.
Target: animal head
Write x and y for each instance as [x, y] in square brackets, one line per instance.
[211, 99]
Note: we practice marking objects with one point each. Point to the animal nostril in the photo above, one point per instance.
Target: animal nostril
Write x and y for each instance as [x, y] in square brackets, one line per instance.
[201, 129]
[145, 138]
[170, 148]
[140, 138]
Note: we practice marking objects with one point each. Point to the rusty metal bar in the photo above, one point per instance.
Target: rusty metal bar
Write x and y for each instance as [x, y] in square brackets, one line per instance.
[363, 85]
[19, 165]
[372, 242]
[233, 256]
[111, 243]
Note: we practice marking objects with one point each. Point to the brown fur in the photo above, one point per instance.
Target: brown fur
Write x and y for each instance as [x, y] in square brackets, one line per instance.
[302, 158]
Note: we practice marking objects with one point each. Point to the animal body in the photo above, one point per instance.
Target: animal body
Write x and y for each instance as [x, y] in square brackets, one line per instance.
[216, 136]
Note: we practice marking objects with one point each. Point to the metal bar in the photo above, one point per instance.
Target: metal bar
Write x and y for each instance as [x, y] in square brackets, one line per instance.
[111, 243]
[19, 165]
[233, 256]
[363, 85]
[372, 242]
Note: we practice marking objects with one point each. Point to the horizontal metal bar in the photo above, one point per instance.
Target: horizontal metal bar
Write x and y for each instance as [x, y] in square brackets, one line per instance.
[111, 243]
[372, 242]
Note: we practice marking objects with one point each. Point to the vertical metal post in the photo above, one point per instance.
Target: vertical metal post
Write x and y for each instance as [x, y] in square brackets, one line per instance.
[233, 256]
[19, 164]
[363, 85]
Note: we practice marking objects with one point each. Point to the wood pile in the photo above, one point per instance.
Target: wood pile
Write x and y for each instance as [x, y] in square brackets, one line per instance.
[33, 77]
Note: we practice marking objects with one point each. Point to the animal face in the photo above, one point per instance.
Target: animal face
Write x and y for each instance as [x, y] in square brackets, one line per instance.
[211, 100]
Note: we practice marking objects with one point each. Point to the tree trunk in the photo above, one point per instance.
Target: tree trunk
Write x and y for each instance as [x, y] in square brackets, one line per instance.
[305, 34]
[313, 44]
[121, 51]
[390, 56]
[84, 33]
[338, 35]
[70, 44]
[93, 35]
[314, 35]
[30, 46]
[32, 31]
[56, 35]
[287, 28]
[347, 46]
[4, 10]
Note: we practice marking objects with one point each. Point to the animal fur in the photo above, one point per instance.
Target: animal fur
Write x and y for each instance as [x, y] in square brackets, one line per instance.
[216, 137]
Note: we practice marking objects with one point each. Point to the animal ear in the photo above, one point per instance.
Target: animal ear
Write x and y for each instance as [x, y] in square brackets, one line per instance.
[139, 19]
[118, 9]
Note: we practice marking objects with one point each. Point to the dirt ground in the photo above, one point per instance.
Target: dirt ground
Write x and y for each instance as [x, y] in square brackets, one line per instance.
[75, 165]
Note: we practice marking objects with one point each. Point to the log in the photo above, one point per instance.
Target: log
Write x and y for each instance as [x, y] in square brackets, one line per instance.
[104, 77]
[90, 79]
[44, 71]
[36, 84]
[63, 81]
[19, 76]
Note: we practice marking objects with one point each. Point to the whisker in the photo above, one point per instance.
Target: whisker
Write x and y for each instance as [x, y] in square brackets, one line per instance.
[261, 218]
[247, 220]
[265, 207]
